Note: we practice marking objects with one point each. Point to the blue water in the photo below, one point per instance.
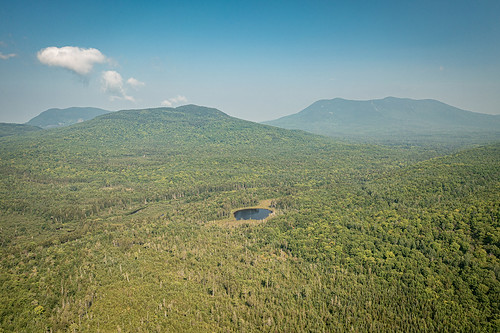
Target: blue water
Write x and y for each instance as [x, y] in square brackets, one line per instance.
[252, 214]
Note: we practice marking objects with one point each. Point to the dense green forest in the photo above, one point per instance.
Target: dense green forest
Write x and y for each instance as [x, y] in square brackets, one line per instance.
[14, 129]
[64, 117]
[123, 223]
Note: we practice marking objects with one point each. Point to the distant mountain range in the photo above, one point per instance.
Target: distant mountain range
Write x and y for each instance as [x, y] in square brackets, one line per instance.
[65, 117]
[389, 118]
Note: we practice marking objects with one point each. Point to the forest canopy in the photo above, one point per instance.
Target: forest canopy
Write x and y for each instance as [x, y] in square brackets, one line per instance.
[124, 223]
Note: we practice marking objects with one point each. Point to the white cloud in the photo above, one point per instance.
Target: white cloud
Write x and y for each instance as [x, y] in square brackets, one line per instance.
[135, 83]
[76, 59]
[174, 100]
[7, 56]
[179, 99]
[112, 83]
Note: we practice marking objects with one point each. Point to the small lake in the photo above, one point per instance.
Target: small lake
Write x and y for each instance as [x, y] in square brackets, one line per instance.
[252, 214]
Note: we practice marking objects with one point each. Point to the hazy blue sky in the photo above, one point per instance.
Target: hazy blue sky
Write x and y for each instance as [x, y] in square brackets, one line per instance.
[256, 60]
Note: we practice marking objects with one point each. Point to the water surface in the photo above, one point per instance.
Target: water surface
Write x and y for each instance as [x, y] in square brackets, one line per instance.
[252, 214]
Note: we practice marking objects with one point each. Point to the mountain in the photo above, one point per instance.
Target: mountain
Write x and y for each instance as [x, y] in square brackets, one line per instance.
[187, 126]
[13, 129]
[389, 118]
[64, 117]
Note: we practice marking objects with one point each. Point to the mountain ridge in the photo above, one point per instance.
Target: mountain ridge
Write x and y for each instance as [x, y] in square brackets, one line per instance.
[184, 127]
[64, 117]
[387, 117]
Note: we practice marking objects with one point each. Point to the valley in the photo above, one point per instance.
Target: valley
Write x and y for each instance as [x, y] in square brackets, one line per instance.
[125, 223]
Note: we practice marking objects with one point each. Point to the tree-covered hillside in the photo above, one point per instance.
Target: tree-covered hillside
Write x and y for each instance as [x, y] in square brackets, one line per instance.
[123, 223]
[14, 129]
[64, 117]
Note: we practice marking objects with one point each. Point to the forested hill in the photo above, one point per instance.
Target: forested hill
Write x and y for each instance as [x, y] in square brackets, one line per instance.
[13, 129]
[395, 119]
[191, 127]
[64, 117]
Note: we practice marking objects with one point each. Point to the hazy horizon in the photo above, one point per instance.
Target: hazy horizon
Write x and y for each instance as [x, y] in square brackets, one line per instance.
[256, 61]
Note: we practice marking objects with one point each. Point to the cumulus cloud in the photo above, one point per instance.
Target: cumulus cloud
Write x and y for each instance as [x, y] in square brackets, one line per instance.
[134, 83]
[76, 59]
[179, 99]
[174, 100]
[112, 83]
[7, 56]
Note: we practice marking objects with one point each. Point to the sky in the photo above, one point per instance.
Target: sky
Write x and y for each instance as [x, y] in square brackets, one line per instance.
[255, 60]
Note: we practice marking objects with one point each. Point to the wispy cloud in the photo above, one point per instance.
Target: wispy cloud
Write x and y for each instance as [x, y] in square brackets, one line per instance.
[7, 56]
[112, 83]
[174, 100]
[134, 83]
[76, 59]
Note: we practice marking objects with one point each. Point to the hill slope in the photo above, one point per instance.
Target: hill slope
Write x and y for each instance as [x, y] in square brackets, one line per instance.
[13, 129]
[123, 223]
[64, 117]
[190, 147]
[390, 118]
[183, 129]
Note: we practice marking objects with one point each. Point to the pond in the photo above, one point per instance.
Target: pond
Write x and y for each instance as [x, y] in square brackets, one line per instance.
[252, 214]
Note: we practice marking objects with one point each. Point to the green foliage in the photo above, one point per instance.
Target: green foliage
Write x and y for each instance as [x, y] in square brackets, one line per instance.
[64, 117]
[7, 129]
[122, 223]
